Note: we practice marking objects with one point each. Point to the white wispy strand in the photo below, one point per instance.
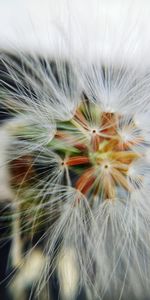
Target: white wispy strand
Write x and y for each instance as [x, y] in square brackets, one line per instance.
[49, 91]
[5, 190]
[117, 89]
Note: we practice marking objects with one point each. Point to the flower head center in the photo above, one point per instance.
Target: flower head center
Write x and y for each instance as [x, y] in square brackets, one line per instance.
[95, 152]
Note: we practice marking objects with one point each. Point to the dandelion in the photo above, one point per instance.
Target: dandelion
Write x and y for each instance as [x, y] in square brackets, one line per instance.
[79, 167]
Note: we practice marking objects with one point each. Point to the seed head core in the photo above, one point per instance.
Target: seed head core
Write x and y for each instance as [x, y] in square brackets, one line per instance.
[95, 151]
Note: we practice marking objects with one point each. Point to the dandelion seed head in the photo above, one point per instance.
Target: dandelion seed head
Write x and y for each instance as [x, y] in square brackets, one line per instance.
[79, 165]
